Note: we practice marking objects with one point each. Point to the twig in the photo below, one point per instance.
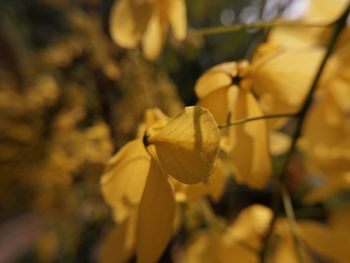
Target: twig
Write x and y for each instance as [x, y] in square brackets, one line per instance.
[257, 25]
[288, 206]
[273, 116]
[339, 25]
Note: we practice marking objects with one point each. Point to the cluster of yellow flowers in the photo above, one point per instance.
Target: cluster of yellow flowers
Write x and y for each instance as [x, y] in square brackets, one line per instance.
[184, 158]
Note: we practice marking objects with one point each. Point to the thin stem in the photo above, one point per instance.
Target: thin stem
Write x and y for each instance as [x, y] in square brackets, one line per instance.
[339, 25]
[257, 25]
[287, 203]
[272, 116]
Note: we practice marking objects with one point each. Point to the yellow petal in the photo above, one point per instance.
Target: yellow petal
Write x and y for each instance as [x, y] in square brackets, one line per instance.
[216, 103]
[325, 140]
[328, 242]
[156, 216]
[153, 38]
[319, 11]
[151, 117]
[118, 245]
[187, 145]
[215, 78]
[217, 182]
[340, 90]
[208, 247]
[279, 142]
[177, 18]
[297, 37]
[324, 11]
[128, 21]
[125, 177]
[286, 75]
[250, 149]
[214, 186]
[251, 225]
[285, 250]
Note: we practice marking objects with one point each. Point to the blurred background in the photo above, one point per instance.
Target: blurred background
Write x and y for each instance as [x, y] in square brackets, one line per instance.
[69, 98]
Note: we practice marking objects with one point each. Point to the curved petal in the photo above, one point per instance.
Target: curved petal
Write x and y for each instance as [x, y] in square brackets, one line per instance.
[153, 38]
[285, 250]
[250, 225]
[177, 18]
[250, 149]
[187, 145]
[151, 117]
[214, 186]
[119, 244]
[128, 20]
[125, 177]
[209, 246]
[297, 37]
[328, 242]
[156, 216]
[324, 11]
[286, 75]
[325, 140]
[279, 143]
[216, 102]
[215, 78]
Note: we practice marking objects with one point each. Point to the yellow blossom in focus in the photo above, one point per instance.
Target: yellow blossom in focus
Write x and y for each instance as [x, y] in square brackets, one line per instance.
[183, 147]
[147, 22]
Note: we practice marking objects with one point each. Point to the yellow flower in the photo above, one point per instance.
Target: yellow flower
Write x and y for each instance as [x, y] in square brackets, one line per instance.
[183, 147]
[282, 77]
[231, 243]
[325, 139]
[214, 186]
[147, 21]
[329, 241]
[226, 91]
[320, 12]
[119, 243]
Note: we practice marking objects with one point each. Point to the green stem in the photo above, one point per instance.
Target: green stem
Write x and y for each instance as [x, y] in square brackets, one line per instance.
[272, 116]
[278, 191]
[257, 25]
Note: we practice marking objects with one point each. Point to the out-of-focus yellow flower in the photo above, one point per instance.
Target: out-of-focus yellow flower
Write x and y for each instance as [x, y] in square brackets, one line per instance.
[327, 241]
[279, 143]
[282, 77]
[325, 139]
[147, 21]
[118, 245]
[125, 177]
[322, 12]
[286, 65]
[226, 91]
[326, 143]
[238, 242]
[183, 147]
[284, 249]
[214, 186]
